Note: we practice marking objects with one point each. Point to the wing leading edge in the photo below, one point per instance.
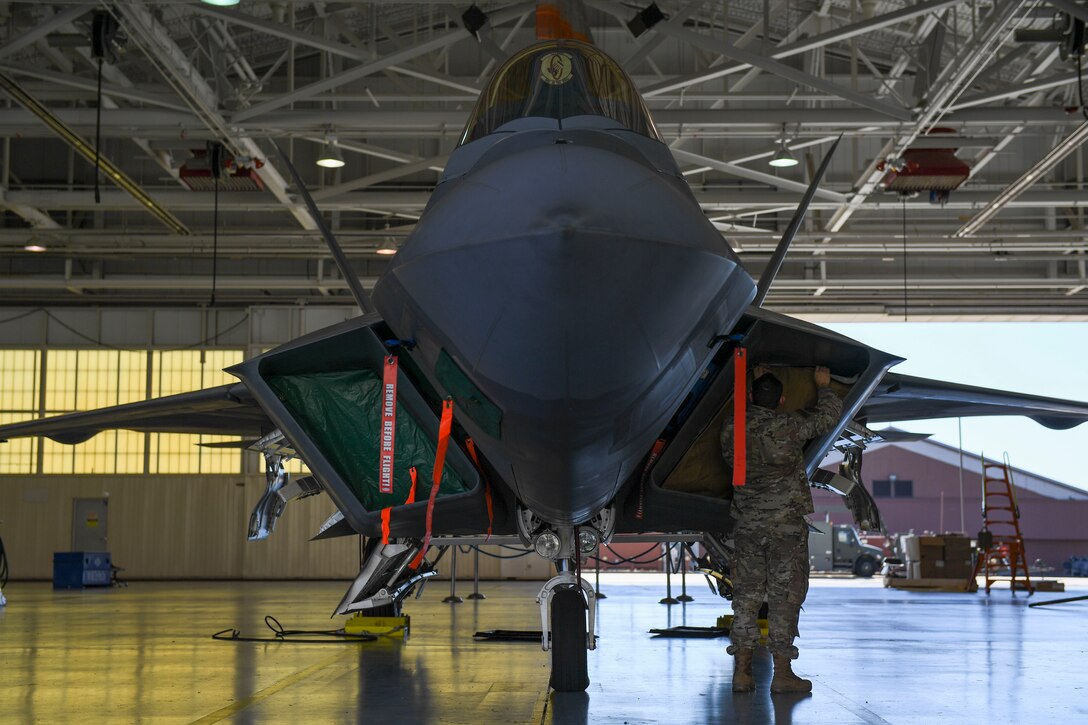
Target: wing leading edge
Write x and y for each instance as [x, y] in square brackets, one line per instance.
[223, 410]
[903, 397]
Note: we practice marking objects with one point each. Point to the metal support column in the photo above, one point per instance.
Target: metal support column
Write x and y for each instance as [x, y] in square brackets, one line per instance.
[597, 577]
[669, 599]
[453, 598]
[476, 575]
[684, 596]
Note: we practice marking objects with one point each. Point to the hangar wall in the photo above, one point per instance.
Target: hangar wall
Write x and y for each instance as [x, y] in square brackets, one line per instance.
[194, 527]
[170, 527]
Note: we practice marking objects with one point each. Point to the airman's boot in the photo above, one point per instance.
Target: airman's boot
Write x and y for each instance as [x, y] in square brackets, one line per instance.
[742, 671]
[784, 680]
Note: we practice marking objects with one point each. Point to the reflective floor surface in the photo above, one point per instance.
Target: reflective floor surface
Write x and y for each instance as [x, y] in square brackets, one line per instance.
[145, 654]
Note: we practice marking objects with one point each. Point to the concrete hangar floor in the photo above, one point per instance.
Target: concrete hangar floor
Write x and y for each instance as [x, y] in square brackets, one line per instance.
[145, 654]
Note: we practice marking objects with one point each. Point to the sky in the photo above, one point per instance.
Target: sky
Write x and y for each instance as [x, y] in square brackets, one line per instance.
[1038, 358]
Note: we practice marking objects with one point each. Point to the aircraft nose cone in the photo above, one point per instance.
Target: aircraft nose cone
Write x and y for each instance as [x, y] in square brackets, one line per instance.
[581, 318]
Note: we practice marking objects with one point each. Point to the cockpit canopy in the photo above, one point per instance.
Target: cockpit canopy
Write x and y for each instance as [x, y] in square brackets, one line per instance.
[559, 79]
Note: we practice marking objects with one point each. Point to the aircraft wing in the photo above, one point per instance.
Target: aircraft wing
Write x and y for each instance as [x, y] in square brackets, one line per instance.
[224, 410]
[903, 397]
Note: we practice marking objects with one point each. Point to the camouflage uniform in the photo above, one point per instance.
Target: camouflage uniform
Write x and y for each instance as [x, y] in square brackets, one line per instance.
[771, 536]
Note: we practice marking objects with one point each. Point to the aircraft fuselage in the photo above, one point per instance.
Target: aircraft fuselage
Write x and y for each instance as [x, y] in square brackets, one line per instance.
[564, 269]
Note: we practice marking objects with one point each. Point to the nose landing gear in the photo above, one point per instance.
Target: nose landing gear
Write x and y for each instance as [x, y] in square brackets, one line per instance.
[565, 601]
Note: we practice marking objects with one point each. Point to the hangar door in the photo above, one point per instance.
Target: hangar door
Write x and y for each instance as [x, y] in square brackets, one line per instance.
[89, 524]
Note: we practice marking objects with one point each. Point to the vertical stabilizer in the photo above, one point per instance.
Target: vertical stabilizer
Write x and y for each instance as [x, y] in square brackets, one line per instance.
[775, 263]
[361, 297]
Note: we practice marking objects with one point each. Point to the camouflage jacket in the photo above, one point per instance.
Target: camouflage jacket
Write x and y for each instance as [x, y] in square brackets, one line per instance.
[777, 487]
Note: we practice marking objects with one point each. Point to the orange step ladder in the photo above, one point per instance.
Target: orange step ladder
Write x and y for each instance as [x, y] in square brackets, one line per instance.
[1000, 543]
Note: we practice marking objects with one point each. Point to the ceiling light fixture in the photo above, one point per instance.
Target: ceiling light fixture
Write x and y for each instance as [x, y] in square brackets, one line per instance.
[388, 246]
[221, 3]
[782, 158]
[330, 157]
[1067, 146]
[34, 247]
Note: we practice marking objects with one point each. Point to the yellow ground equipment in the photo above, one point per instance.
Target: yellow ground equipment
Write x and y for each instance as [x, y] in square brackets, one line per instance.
[362, 624]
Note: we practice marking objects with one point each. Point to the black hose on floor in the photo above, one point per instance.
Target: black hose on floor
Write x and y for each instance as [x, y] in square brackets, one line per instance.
[301, 636]
[3, 566]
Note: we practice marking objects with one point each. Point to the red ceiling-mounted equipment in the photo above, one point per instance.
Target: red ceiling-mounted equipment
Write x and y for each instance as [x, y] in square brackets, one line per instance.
[196, 173]
[935, 170]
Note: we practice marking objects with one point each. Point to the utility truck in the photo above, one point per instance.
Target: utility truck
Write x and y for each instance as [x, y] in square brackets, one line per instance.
[836, 547]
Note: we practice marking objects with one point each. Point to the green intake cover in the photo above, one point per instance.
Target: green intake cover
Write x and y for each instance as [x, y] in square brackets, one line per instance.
[470, 400]
[342, 412]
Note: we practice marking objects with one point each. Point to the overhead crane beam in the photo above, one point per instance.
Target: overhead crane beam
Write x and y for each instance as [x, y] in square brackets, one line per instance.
[948, 83]
[820, 40]
[369, 68]
[179, 71]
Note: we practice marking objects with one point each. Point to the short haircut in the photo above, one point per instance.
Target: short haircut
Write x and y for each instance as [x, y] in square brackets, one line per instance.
[767, 391]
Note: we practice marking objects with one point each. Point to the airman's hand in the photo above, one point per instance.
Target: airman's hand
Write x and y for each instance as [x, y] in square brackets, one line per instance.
[822, 376]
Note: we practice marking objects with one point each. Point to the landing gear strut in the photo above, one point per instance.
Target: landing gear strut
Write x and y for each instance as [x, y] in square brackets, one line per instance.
[565, 601]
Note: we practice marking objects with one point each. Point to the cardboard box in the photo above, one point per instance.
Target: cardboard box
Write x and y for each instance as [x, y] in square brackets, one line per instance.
[957, 543]
[933, 568]
[931, 552]
[945, 557]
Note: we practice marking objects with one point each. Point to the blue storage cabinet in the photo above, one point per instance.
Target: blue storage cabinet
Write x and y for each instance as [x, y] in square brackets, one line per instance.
[78, 569]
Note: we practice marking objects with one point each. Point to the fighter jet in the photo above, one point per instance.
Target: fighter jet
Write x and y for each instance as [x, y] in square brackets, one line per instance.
[550, 356]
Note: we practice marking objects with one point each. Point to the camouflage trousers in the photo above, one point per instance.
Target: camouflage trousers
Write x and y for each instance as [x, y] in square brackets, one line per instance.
[770, 561]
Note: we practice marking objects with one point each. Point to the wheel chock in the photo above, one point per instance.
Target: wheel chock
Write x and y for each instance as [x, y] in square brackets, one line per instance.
[379, 626]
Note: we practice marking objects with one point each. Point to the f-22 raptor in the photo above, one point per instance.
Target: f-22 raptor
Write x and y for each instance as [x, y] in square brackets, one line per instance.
[550, 355]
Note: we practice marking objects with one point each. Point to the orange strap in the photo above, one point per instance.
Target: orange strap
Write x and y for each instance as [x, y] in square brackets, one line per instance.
[740, 415]
[444, 427]
[412, 491]
[655, 453]
[471, 446]
[389, 425]
[387, 512]
[385, 523]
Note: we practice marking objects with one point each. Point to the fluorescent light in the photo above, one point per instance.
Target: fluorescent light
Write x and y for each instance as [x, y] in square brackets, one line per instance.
[782, 158]
[221, 3]
[330, 158]
[387, 247]
[34, 247]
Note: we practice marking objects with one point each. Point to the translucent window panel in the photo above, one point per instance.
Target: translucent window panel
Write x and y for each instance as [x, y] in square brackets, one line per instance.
[90, 379]
[57, 457]
[181, 371]
[111, 451]
[61, 370]
[182, 453]
[20, 374]
[297, 467]
[19, 455]
[78, 380]
[220, 460]
[20, 377]
[174, 453]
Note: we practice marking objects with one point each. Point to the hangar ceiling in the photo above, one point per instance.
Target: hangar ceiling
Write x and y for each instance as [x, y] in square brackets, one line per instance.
[392, 83]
